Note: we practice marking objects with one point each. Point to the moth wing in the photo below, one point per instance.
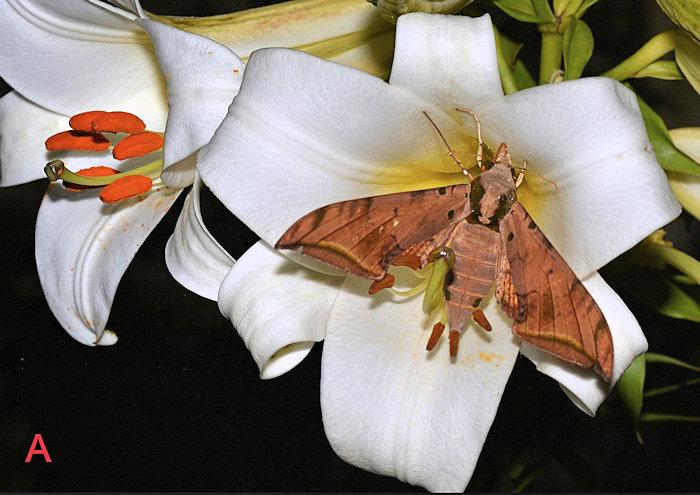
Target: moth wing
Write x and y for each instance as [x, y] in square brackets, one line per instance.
[477, 250]
[363, 236]
[555, 311]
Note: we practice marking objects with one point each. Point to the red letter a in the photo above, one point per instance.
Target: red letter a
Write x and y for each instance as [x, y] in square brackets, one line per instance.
[42, 450]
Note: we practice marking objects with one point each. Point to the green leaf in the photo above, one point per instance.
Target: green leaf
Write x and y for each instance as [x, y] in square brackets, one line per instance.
[631, 387]
[523, 78]
[661, 358]
[668, 417]
[578, 48]
[678, 304]
[670, 157]
[661, 69]
[526, 10]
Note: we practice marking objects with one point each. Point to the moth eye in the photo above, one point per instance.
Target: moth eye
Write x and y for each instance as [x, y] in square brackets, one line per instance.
[510, 236]
[450, 214]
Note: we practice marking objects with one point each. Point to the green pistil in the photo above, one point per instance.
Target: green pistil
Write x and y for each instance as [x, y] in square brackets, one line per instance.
[56, 169]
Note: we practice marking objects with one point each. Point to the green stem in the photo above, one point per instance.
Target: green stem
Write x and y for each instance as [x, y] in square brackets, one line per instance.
[550, 57]
[677, 259]
[652, 50]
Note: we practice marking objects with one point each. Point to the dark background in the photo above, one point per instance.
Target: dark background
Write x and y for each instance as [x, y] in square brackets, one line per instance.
[177, 404]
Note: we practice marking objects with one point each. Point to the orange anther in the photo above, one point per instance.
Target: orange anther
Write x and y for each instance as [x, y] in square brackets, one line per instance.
[90, 172]
[77, 140]
[386, 282]
[125, 188]
[438, 328]
[410, 260]
[117, 122]
[480, 318]
[137, 145]
[83, 121]
[454, 342]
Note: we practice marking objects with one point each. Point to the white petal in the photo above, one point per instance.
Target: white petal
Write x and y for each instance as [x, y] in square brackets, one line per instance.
[588, 137]
[448, 60]
[202, 78]
[72, 56]
[393, 408]
[583, 386]
[278, 307]
[303, 133]
[83, 248]
[24, 127]
[194, 257]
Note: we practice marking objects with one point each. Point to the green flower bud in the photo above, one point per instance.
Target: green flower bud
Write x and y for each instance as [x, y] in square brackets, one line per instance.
[685, 13]
[392, 9]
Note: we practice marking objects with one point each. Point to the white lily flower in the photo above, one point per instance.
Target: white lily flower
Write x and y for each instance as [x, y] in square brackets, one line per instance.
[304, 133]
[64, 58]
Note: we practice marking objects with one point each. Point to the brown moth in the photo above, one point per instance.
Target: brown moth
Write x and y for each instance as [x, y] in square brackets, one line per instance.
[488, 237]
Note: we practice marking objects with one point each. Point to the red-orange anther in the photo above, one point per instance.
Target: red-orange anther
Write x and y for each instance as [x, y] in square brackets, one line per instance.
[480, 318]
[83, 121]
[438, 328]
[77, 140]
[90, 172]
[125, 188]
[137, 145]
[410, 260]
[117, 122]
[454, 342]
[386, 282]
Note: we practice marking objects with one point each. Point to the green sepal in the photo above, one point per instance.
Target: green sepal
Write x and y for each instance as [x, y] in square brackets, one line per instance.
[653, 357]
[577, 8]
[670, 157]
[630, 386]
[578, 48]
[661, 69]
[523, 78]
[536, 11]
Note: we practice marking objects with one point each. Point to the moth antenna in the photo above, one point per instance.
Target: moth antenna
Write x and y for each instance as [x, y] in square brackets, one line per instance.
[451, 152]
[480, 149]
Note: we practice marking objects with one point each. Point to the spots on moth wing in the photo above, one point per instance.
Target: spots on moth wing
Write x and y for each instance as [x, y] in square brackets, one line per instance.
[532, 225]
[450, 214]
[510, 237]
[477, 301]
[550, 271]
[442, 191]
[447, 295]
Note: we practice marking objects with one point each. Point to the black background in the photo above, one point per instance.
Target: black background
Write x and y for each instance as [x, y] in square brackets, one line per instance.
[177, 404]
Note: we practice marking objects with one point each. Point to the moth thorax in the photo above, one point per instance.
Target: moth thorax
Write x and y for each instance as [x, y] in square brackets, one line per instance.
[493, 193]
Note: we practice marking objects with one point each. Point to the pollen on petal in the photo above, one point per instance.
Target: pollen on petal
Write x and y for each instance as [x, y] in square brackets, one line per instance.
[137, 145]
[125, 188]
[385, 283]
[83, 121]
[117, 122]
[438, 328]
[90, 172]
[77, 140]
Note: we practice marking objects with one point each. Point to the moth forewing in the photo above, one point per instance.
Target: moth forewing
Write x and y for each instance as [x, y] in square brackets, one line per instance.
[363, 236]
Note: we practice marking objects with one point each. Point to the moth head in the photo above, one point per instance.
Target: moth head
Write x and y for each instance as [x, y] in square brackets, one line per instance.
[493, 193]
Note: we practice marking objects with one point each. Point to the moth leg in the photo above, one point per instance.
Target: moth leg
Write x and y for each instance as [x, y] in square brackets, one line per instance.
[521, 175]
[480, 149]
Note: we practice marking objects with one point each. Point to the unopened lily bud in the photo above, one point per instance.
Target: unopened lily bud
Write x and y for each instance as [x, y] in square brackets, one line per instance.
[392, 9]
[685, 13]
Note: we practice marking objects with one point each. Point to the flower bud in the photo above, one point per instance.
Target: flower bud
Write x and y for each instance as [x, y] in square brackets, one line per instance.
[392, 9]
[685, 13]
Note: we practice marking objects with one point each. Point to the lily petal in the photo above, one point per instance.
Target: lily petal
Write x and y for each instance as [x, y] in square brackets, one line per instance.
[376, 140]
[195, 259]
[90, 42]
[83, 248]
[202, 77]
[278, 307]
[589, 138]
[583, 386]
[430, 44]
[393, 408]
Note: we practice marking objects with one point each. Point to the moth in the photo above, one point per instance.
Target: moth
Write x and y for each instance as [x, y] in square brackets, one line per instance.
[488, 237]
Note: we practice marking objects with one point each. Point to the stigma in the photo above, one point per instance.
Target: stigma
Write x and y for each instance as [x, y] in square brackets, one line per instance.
[87, 133]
